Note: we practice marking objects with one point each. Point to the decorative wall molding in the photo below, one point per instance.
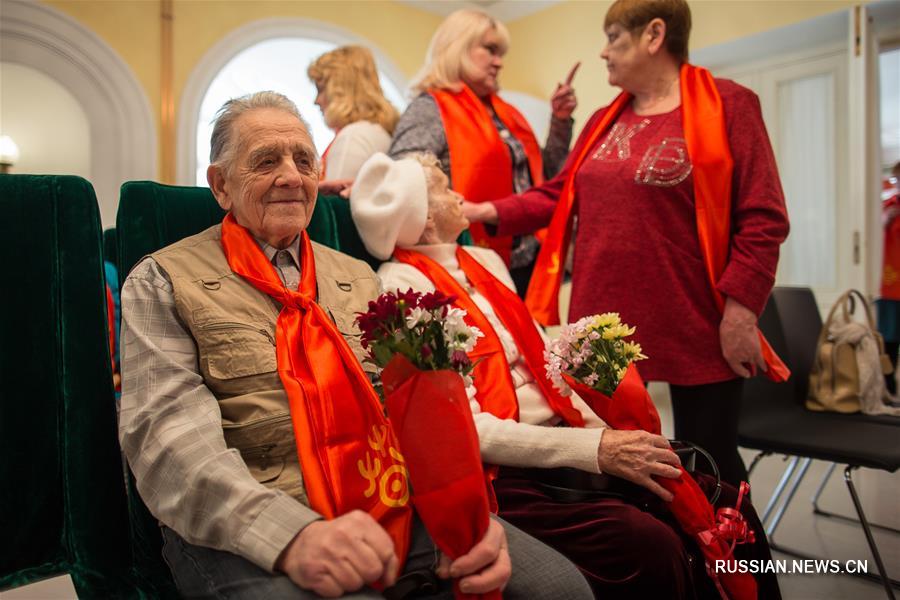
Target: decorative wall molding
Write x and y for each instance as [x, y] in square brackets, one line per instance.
[234, 43]
[123, 131]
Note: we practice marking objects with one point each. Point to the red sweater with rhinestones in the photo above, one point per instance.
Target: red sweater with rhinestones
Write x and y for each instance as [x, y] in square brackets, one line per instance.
[636, 247]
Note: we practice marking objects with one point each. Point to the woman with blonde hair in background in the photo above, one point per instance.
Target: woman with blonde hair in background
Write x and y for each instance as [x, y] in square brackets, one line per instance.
[484, 145]
[354, 106]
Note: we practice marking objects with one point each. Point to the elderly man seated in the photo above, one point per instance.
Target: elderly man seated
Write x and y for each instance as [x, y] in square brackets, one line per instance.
[245, 408]
[405, 210]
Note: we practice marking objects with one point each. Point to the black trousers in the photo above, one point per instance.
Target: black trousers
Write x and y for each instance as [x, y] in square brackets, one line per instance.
[707, 415]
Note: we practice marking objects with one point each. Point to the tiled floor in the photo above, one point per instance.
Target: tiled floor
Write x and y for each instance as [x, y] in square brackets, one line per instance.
[829, 538]
[832, 538]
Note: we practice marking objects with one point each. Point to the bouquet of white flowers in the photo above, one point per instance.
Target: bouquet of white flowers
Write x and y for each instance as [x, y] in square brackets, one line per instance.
[425, 328]
[422, 341]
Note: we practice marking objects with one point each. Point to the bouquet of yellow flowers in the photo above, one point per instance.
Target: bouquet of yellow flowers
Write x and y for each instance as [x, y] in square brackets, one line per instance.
[592, 351]
[592, 358]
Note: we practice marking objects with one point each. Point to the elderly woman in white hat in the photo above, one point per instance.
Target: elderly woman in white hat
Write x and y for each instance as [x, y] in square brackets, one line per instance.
[404, 211]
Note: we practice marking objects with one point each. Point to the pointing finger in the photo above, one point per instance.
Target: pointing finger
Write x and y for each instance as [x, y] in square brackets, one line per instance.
[572, 72]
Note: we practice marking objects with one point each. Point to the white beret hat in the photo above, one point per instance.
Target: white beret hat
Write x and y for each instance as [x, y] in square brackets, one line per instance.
[389, 204]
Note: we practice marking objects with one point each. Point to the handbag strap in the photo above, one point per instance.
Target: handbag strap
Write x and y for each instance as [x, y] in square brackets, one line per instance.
[865, 306]
[847, 304]
[841, 302]
[870, 317]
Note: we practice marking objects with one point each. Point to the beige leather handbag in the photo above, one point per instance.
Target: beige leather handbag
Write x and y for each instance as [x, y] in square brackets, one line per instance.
[850, 359]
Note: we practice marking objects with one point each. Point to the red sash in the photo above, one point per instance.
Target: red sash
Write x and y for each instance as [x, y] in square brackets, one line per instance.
[480, 164]
[347, 448]
[111, 329]
[710, 154]
[890, 270]
[496, 391]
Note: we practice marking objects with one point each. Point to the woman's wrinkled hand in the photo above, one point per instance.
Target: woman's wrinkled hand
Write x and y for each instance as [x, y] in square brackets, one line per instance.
[638, 456]
[739, 339]
[480, 212]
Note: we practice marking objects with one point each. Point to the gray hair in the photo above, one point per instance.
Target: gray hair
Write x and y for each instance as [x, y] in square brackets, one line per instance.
[221, 144]
[427, 160]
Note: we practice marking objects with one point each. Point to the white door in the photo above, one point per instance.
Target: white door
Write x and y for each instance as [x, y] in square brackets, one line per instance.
[804, 104]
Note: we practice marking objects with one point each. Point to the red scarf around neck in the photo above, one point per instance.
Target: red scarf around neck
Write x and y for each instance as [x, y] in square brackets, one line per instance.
[710, 154]
[347, 448]
[496, 391]
[480, 164]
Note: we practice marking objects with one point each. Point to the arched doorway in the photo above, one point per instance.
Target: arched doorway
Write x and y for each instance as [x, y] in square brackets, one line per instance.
[122, 131]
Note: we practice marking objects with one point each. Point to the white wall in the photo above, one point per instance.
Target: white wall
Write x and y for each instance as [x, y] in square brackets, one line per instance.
[46, 122]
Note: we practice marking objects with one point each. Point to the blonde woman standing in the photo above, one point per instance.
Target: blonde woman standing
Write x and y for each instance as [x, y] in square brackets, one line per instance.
[354, 106]
[484, 145]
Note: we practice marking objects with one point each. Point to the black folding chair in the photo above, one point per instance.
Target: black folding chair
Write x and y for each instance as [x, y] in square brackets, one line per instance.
[774, 419]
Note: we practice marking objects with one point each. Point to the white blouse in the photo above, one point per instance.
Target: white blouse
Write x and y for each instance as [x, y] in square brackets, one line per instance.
[352, 146]
[533, 441]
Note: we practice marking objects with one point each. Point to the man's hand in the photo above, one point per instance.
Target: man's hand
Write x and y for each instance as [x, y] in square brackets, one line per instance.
[637, 456]
[485, 567]
[334, 557]
[739, 339]
[480, 212]
[563, 101]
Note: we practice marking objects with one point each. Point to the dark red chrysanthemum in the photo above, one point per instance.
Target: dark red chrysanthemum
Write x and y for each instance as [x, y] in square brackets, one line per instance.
[436, 299]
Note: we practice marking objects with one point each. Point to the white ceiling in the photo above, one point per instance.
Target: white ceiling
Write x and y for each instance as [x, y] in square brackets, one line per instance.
[502, 10]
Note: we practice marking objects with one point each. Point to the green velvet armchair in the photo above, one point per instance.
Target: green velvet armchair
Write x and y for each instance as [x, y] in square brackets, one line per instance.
[62, 496]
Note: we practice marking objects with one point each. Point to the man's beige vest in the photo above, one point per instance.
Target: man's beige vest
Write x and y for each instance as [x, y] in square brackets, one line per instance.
[233, 326]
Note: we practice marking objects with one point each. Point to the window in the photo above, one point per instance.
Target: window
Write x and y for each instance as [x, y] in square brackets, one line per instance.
[277, 64]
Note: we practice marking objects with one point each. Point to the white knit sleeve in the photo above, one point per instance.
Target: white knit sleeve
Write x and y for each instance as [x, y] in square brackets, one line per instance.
[508, 442]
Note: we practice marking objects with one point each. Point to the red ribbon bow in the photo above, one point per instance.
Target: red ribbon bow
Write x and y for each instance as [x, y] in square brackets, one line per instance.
[731, 527]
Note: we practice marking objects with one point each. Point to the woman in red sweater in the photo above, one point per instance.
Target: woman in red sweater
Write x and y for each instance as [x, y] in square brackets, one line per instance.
[680, 214]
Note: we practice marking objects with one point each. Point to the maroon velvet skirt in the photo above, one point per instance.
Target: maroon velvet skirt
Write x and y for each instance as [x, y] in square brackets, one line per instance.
[627, 550]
